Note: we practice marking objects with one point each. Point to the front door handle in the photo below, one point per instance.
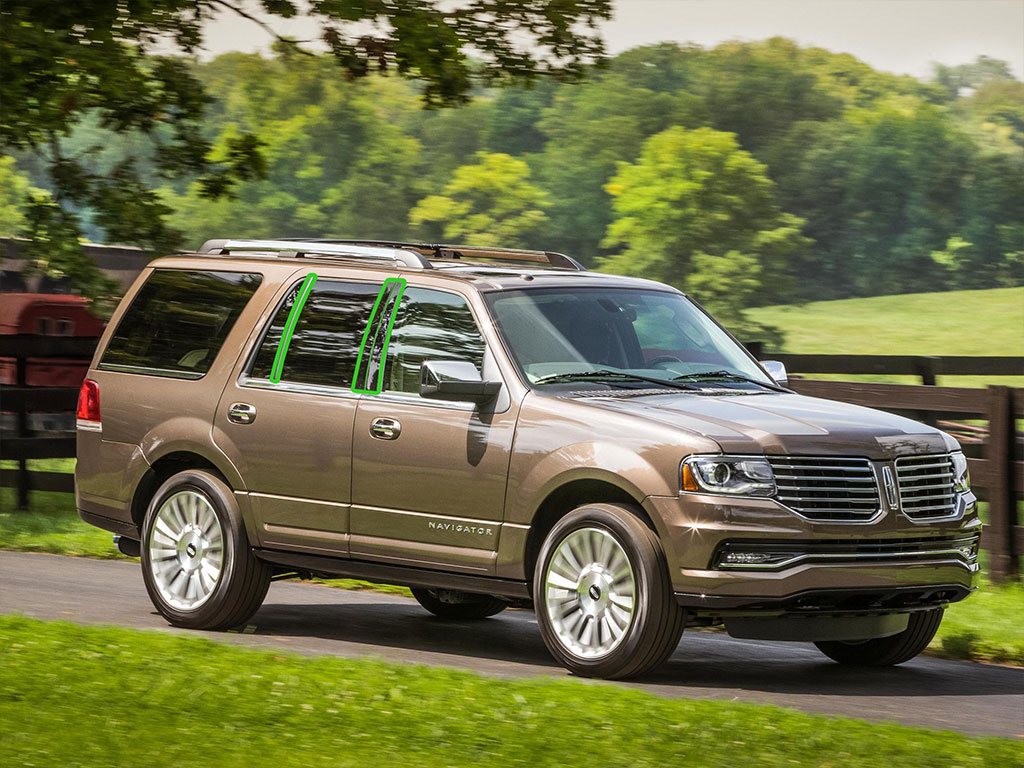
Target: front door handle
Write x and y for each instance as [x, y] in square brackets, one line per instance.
[242, 413]
[385, 429]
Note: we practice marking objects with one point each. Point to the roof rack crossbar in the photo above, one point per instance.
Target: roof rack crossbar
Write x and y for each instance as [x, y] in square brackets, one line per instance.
[417, 255]
[447, 252]
[322, 248]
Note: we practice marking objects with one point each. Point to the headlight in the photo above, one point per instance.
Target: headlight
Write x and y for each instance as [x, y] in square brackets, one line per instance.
[739, 475]
[961, 475]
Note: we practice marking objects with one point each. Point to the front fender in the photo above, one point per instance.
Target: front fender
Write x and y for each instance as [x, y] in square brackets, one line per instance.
[617, 465]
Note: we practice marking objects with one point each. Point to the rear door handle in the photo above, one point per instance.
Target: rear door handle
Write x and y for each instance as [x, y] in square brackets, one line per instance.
[385, 428]
[242, 413]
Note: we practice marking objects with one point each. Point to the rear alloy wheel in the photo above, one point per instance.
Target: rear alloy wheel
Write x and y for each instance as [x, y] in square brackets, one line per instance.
[887, 651]
[603, 598]
[197, 564]
[449, 604]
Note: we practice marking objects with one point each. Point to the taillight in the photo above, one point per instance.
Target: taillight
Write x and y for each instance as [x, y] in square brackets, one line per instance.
[89, 402]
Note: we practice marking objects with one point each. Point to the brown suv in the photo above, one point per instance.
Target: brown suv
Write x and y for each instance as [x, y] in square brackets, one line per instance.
[495, 427]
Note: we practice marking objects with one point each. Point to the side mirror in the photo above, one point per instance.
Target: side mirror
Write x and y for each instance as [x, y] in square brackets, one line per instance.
[455, 380]
[777, 371]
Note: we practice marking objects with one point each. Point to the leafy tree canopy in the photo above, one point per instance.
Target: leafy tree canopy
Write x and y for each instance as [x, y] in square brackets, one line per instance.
[64, 63]
[697, 211]
[489, 203]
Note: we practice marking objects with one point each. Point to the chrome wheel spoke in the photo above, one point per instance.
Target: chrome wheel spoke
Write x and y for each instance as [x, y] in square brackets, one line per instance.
[589, 592]
[186, 549]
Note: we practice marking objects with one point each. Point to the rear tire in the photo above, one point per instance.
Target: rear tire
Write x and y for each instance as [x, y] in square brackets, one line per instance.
[602, 594]
[197, 563]
[887, 651]
[466, 606]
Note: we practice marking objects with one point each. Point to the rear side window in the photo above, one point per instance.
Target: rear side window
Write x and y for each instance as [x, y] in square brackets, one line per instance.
[325, 343]
[178, 321]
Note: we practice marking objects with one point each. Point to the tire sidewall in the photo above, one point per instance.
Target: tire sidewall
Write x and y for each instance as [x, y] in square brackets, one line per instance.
[233, 535]
[628, 530]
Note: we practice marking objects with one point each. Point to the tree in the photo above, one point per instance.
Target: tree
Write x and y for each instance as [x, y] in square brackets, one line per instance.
[698, 212]
[14, 189]
[600, 123]
[983, 69]
[489, 203]
[65, 62]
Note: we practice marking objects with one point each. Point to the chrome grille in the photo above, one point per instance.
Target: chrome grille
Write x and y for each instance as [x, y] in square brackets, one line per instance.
[926, 486]
[827, 488]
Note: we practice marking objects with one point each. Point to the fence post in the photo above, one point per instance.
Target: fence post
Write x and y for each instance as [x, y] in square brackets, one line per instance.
[1002, 509]
[21, 376]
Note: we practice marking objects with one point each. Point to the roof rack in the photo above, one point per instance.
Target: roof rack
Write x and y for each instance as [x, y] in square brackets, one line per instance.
[319, 248]
[416, 255]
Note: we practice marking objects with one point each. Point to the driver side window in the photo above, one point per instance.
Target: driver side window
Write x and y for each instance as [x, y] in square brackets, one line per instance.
[429, 325]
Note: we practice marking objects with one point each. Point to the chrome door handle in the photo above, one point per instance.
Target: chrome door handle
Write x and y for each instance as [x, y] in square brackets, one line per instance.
[242, 413]
[385, 429]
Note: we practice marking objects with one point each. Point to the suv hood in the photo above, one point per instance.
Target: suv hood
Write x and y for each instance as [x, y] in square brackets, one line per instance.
[786, 424]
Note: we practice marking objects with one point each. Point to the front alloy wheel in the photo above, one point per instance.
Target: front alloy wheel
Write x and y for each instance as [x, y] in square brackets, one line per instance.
[589, 589]
[603, 598]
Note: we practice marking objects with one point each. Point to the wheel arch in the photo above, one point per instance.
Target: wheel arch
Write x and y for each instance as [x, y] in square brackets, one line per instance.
[569, 495]
[162, 468]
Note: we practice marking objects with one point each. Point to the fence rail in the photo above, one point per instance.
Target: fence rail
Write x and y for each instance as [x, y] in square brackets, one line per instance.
[22, 400]
[927, 367]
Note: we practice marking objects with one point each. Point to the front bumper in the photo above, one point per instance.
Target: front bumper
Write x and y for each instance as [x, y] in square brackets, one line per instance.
[890, 564]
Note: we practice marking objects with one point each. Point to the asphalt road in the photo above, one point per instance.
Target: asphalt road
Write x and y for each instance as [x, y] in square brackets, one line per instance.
[305, 618]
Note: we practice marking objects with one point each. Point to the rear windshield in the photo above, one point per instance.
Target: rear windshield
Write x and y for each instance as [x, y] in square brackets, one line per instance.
[178, 321]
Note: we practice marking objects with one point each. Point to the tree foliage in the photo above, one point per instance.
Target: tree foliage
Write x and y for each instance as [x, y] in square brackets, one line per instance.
[900, 184]
[697, 211]
[65, 63]
[491, 202]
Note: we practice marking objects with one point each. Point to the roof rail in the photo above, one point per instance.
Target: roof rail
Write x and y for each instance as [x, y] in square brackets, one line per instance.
[416, 255]
[321, 248]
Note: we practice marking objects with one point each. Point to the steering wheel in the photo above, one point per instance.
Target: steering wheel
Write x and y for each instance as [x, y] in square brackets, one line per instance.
[662, 360]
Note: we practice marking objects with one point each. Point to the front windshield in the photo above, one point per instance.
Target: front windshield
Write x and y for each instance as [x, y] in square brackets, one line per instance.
[619, 337]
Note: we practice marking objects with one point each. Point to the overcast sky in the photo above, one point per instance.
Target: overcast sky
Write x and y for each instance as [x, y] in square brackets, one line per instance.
[903, 36]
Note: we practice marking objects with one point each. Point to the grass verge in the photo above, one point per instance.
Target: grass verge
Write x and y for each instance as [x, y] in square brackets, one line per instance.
[187, 701]
[984, 323]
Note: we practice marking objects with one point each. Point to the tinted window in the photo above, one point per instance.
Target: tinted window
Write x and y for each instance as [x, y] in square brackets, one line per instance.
[430, 325]
[178, 321]
[325, 343]
[656, 334]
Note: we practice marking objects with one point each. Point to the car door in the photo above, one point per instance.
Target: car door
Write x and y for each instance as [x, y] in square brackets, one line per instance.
[285, 420]
[428, 478]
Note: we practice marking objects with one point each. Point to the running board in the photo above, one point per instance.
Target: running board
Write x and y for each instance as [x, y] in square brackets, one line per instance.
[405, 576]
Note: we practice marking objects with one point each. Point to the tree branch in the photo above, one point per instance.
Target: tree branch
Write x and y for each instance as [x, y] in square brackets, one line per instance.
[295, 44]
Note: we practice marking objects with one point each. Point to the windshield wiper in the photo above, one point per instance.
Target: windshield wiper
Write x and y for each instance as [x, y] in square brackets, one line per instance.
[728, 376]
[604, 374]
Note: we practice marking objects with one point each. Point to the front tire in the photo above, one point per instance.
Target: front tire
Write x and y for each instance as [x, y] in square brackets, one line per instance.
[197, 564]
[603, 598]
[887, 651]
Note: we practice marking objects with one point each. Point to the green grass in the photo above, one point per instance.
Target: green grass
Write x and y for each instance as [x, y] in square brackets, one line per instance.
[988, 626]
[87, 696]
[51, 525]
[986, 322]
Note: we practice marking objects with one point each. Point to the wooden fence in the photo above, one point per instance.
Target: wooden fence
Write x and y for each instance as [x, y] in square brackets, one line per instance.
[22, 400]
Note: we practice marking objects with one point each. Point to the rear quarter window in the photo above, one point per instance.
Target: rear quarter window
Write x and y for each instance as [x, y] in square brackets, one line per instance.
[178, 321]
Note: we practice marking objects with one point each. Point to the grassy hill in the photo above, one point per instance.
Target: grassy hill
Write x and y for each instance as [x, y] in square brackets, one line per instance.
[989, 322]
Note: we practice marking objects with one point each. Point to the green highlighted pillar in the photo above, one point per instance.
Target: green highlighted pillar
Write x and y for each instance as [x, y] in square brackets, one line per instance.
[289, 327]
[368, 379]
